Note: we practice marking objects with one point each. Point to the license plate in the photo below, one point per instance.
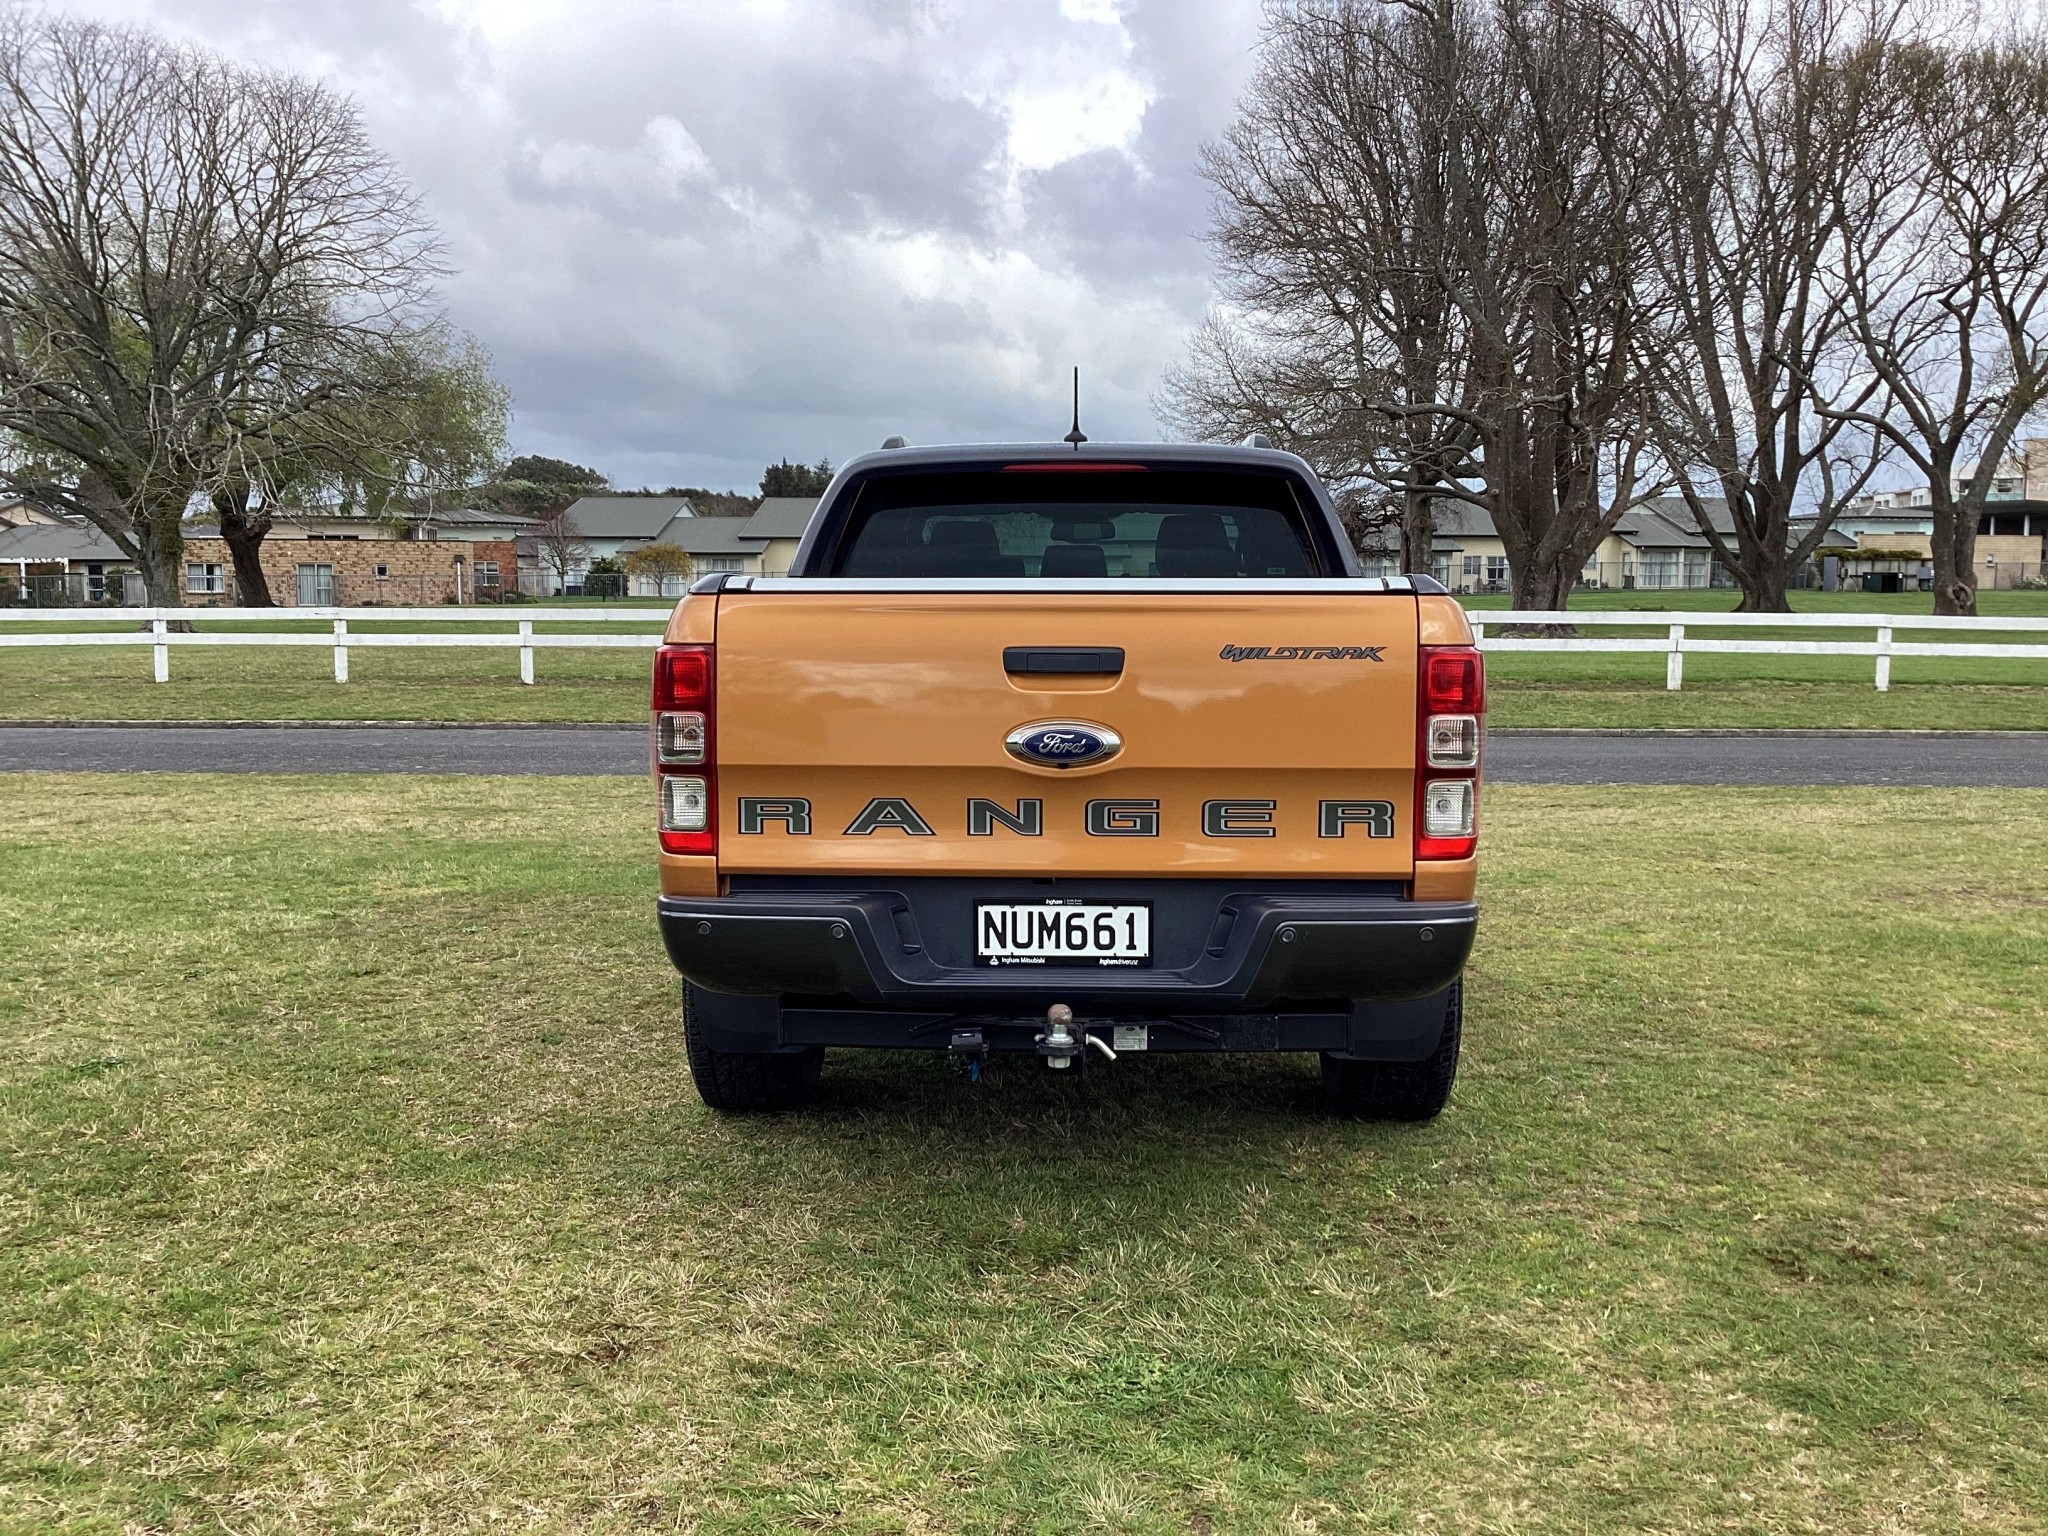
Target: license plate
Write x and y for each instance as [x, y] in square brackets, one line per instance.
[1056, 932]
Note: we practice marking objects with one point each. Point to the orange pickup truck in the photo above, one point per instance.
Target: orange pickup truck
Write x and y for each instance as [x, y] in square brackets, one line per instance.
[1074, 751]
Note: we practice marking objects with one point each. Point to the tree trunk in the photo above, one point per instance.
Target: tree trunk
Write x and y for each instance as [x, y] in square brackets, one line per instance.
[1955, 554]
[1418, 534]
[1541, 583]
[1760, 564]
[242, 531]
[159, 551]
[1763, 579]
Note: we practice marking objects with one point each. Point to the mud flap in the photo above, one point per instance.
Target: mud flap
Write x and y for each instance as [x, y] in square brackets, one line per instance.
[744, 1024]
[1405, 1031]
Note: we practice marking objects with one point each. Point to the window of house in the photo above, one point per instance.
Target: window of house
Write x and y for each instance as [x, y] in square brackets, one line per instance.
[1496, 570]
[1471, 565]
[383, 570]
[486, 575]
[204, 576]
[316, 586]
[719, 563]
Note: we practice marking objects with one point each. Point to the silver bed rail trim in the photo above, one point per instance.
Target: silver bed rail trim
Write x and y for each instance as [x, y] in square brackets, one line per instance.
[1125, 586]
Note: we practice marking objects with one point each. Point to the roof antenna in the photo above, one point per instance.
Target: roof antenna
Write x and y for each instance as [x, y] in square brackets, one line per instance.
[1077, 437]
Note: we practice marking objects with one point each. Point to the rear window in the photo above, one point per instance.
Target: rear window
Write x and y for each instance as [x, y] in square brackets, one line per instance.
[1135, 524]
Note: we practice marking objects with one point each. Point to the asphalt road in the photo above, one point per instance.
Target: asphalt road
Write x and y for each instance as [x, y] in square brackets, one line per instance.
[2012, 760]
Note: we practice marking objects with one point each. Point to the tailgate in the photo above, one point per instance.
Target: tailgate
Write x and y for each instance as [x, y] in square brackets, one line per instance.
[1260, 735]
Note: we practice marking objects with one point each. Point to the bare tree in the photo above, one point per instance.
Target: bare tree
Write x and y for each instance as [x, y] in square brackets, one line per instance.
[195, 259]
[1553, 240]
[1763, 113]
[561, 547]
[1430, 220]
[1332, 231]
[1946, 281]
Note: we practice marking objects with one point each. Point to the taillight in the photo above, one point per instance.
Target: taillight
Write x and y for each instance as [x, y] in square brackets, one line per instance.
[1450, 732]
[1453, 680]
[685, 740]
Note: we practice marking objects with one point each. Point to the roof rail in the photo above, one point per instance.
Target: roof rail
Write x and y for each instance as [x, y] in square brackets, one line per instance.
[1258, 440]
[895, 442]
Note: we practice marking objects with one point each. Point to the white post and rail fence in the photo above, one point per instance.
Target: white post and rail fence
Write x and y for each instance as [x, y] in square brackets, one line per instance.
[152, 627]
[1678, 640]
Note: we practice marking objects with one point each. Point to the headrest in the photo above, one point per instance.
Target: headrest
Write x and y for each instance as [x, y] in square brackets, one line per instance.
[1267, 546]
[1193, 530]
[1073, 560]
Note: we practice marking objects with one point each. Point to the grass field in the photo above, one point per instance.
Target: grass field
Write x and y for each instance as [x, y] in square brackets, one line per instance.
[352, 1181]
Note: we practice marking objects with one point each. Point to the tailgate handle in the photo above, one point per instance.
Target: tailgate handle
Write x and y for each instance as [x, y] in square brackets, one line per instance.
[1064, 658]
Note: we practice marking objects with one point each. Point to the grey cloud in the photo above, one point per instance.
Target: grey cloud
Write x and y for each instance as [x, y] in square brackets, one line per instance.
[696, 238]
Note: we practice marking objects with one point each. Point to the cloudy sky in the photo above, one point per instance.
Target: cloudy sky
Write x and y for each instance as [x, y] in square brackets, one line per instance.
[698, 235]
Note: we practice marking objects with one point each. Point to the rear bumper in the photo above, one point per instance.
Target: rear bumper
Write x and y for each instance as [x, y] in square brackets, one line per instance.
[1262, 950]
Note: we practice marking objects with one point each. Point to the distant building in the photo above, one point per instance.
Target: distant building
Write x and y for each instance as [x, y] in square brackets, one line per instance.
[779, 524]
[55, 562]
[2021, 476]
[470, 523]
[1656, 544]
[17, 513]
[762, 544]
[606, 528]
[1889, 534]
[611, 525]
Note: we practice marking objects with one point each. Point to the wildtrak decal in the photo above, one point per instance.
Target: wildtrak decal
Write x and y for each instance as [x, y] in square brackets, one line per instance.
[791, 815]
[1303, 653]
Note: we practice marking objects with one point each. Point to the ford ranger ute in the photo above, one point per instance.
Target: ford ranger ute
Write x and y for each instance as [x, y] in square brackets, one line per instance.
[1072, 751]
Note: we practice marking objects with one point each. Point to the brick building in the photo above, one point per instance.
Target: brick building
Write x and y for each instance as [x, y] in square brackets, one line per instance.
[354, 573]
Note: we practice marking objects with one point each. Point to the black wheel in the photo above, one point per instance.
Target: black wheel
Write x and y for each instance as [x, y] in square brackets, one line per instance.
[1399, 1090]
[747, 1082]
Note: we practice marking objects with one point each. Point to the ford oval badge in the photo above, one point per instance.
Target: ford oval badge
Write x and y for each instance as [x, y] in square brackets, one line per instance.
[1063, 743]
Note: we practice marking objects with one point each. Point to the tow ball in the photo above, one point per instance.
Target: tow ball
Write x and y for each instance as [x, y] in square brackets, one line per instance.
[1064, 1040]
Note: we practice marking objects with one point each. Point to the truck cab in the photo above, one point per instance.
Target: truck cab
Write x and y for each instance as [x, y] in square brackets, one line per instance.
[1075, 751]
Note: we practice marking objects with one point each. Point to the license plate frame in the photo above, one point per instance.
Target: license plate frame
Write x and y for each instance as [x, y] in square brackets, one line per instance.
[1130, 921]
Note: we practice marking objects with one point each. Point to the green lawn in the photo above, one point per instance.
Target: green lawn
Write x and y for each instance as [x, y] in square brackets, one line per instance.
[1530, 688]
[238, 683]
[352, 1181]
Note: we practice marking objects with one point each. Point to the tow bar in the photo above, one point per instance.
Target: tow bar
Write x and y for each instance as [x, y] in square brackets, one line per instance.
[1062, 1041]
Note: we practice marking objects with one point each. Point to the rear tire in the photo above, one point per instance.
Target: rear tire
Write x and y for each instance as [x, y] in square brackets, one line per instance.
[747, 1082]
[1399, 1090]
